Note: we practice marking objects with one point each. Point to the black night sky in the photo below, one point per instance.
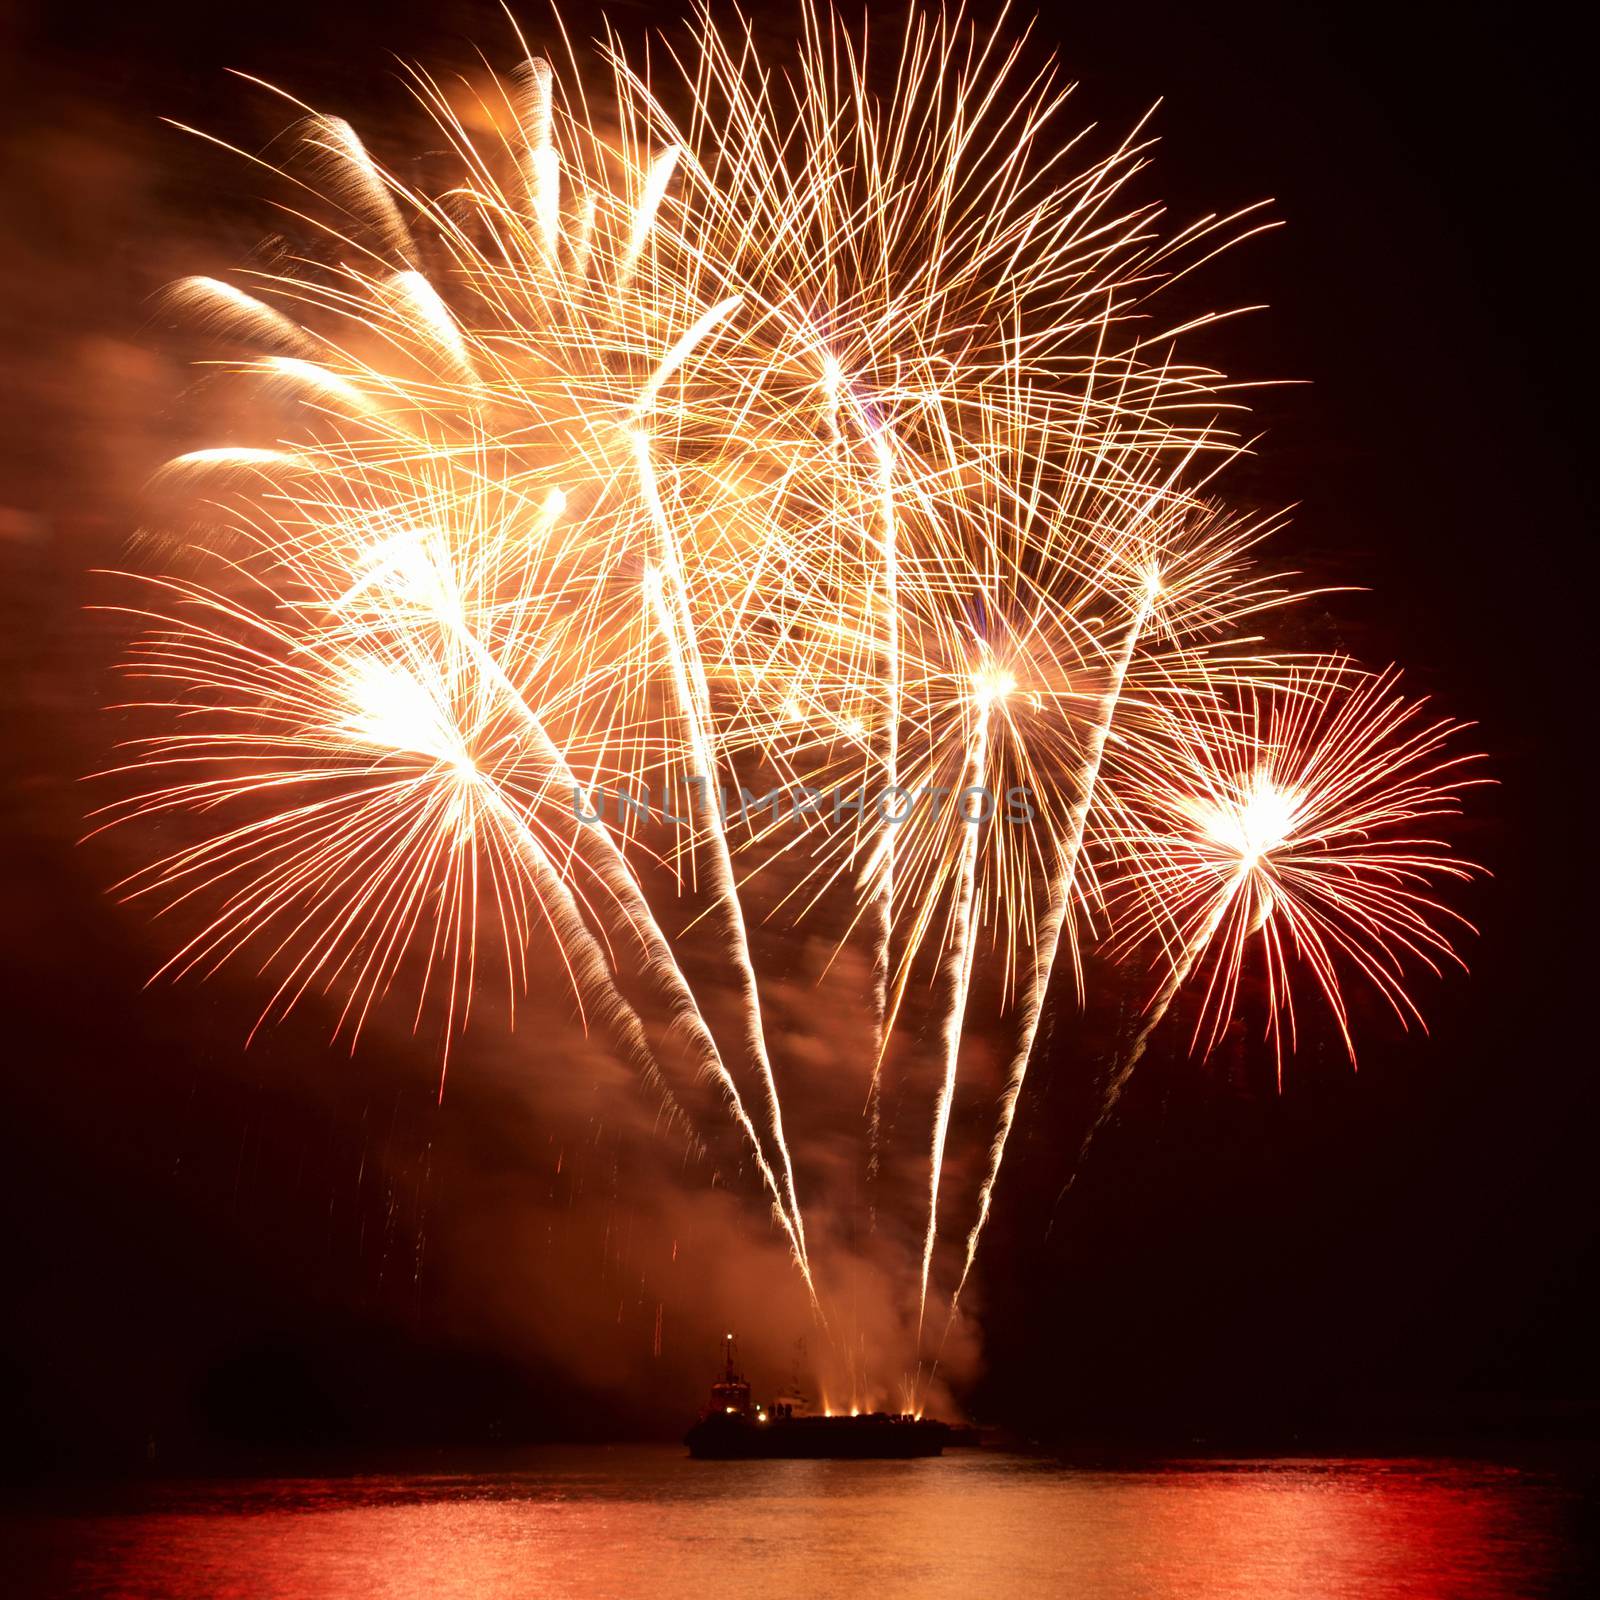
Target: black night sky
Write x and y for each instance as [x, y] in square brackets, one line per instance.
[291, 1247]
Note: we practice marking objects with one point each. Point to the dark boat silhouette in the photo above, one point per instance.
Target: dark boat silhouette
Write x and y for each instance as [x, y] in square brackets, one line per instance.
[733, 1427]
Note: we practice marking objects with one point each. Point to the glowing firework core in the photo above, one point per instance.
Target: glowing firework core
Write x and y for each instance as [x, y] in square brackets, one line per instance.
[1255, 824]
[990, 685]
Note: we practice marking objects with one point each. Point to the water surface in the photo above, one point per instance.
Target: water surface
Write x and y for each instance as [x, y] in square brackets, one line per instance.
[644, 1521]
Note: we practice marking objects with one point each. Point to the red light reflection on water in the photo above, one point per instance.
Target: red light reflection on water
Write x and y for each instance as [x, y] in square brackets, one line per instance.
[600, 1523]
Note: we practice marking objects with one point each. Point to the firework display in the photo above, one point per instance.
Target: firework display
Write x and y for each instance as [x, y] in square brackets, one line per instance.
[806, 457]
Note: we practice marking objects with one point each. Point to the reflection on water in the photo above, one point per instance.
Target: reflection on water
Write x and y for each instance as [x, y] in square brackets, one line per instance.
[645, 1521]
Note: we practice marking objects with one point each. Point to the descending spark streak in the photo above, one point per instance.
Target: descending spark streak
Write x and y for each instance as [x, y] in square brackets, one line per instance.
[959, 966]
[596, 841]
[655, 191]
[784, 1201]
[688, 1019]
[1059, 908]
[586, 960]
[682, 350]
[881, 868]
[236, 456]
[432, 316]
[1175, 980]
[676, 625]
[318, 381]
[220, 302]
[543, 163]
[358, 174]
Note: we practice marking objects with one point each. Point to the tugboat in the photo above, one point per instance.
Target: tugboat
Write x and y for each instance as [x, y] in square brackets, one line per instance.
[734, 1428]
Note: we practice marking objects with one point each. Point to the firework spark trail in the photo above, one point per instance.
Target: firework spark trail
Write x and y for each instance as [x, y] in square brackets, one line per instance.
[1175, 980]
[583, 953]
[410, 563]
[687, 1019]
[681, 351]
[881, 868]
[1059, 908]
[675, 622]
[959, 971]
